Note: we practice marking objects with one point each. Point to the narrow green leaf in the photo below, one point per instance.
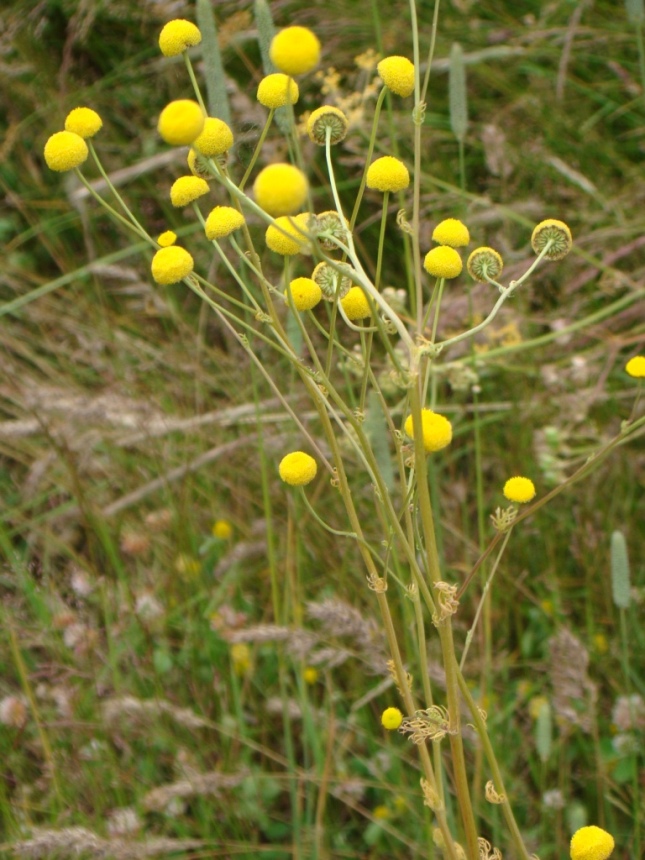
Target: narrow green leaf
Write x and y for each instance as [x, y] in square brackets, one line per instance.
[266, 32]
[457, 93]
[635, 11]
[544, 732]
[620, 580]
[377, 432]
[216, 94]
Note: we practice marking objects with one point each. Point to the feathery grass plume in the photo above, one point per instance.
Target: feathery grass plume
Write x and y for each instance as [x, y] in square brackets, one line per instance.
[544, 732]
[572, 688]
[266, 32]
[129, 707]
[635, 11]
[218, 104]
[457, 93]
[620, 579]
[81, 842]
[200, 784]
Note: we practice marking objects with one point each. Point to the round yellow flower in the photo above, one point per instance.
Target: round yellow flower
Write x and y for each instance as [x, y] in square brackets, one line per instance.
[636, 366]
[310, 675]
[520, 490]
[295, 50]
[277, 90]
[222, 529]
[391, 719]
[222, 221]
[555, 232]
[181, 122]
[484, 263]
[327, 117]
[437, 430]
[591, 843]
[83, 121]
[215, 138]
[280, 189]
[355, 304]
[186, 189]
[285, 245]
[305, 293]
[397, 73]
[170, 265]
[178, 35]
[167, 239]
[198, 165]
[65, 150]
[443, 262]
[241, 658]
[387, 174]
[297, 469]
[451, 232]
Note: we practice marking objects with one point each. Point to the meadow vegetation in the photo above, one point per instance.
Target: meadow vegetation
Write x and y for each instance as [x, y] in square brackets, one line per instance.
[255, 598]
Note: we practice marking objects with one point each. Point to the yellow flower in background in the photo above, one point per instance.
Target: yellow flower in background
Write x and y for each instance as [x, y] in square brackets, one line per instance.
[437, 430]
[166, 239]
[451, 232]
[381, 812]
[180, 122]
[591, 843]
[305, 293]
[241, 658]
[170, 265]
[178, 35]
[215, 138]
[83, 121]
[280, 189]
[277, 90]
[443, 262]
[327, 117]
[397, 73]
[285, 245]
[519, 489]
[222, 221]
[298, 469]
[355, 304]
[387, 174]
[484, 263]
[391, 719]
[555, 232]
[187, 566]
[535, 706]
[222, 529]
[186, 189]
[65, 150]
[295, 50]
[636, 367]
[310, 675]
[600, 643]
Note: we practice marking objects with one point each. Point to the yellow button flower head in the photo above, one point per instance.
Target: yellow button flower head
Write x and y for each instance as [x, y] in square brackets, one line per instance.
[332, 282]
[285, 245]
[591, 843]
[198, 165]
[186, 189]
[222, 529]
[215, 138]
[484, 263]
[170, 265]
[295, 50]
[391, 719]
[355, 304]
[65, 150]
[397, 73]
[277, 90]
[83, 121]
[305, 293]
[181, 122]
[520, 490]
[178, 35]
[387, 174]
[310, 675]
[636, 366]
[451, 232]
[280, 189]
[222, 221]
[297, 469]
[167, 239]
[443, 262]
[327, 117]
[241, 658]
[555, 232]
[437, 430]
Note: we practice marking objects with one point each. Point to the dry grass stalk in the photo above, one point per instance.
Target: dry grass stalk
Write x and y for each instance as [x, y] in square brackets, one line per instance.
[572, 687]
[80, 842]
[128, 707]
[207, 783]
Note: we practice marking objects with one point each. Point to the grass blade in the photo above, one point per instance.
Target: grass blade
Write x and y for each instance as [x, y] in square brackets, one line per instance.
[216, 94]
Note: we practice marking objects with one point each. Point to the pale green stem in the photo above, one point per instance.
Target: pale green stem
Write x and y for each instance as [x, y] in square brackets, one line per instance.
[257, 150]
[193, 80]
[381, 241]
[417, 117]
[433, 41]
[469, 636]
[112, 188]
[366, 346]
[435, 321]
[117, 215]
[368, 157]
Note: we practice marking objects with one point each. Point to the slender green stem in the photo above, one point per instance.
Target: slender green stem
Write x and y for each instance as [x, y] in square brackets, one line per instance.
[257, 150]
[193, 80]
[624, 650]
[433, 42]
[116, 215]
[435, 321]
[112, 188]
[368, 157]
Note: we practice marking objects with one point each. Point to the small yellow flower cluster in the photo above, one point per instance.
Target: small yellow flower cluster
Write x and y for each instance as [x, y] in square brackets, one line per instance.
[186, 189]
[327, 117]
[216, 138]
[170, 265]
[166, 239]
[298, 469]
[636, 367]
[310, 675]
[222, 529]
[555, 234]
[295, 241]
[444, 261]
[241, 659]
[355, 304]
[397, 73]
[387, 174]
[484, 263]
[391, 719]
[295, 50]
[280, 189]
[591, 843]
[178, 35]
[277, 90]
[222, 221]
[83, 121]
[180, 122]
[305, 293]
[519, 489]
[437, 430]
[67, 149]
